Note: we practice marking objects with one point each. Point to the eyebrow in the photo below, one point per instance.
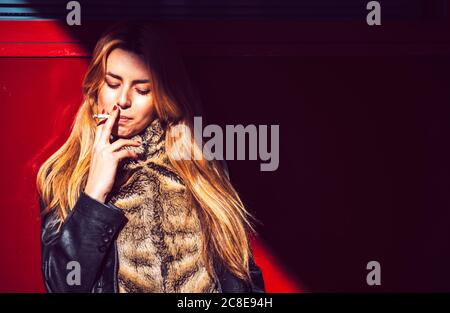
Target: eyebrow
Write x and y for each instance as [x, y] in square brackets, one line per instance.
[136, 81]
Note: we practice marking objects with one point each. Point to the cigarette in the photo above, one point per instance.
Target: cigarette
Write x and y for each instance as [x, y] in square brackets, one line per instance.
[100, 116]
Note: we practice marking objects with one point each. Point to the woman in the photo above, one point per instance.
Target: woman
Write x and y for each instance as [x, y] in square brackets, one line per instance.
[122, 212]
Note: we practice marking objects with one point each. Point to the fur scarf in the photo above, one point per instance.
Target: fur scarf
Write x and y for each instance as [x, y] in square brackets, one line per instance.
[160, 246]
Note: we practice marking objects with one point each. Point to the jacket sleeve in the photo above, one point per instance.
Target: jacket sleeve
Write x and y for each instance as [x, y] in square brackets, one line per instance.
[72, 256]
[230, 283]
[257, 285]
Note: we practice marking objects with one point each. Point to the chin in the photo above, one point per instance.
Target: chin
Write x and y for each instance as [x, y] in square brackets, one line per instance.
[124, 132]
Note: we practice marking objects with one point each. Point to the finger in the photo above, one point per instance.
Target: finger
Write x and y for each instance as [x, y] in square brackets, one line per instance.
[116, 145]
[101, 122]
[109, 125]
[123, 154]
[98, 133]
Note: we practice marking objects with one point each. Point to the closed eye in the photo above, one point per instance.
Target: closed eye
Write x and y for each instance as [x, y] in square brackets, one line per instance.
[142, 92]
[139, 91]
[112, 86]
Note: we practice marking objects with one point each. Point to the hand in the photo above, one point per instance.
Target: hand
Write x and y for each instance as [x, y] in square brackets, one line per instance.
[105, 159]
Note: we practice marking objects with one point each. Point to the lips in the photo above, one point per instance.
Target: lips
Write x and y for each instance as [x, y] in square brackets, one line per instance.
[124, 120]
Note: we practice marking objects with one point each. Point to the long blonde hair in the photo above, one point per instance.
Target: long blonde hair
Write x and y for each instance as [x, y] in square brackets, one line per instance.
[63, 175]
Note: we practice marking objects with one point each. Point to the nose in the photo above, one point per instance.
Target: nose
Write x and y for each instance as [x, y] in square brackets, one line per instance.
[124, 101]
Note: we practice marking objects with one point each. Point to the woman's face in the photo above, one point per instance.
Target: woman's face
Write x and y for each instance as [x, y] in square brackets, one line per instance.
[127, 85]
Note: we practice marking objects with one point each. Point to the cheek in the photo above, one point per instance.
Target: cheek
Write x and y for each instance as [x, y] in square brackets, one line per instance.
[105, 96]
[145, 106]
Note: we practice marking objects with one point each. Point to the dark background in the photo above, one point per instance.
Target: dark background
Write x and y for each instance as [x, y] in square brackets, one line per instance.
[363, 114]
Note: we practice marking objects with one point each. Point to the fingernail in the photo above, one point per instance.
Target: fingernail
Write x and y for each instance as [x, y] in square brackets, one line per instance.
[103, 111]
[115, 107]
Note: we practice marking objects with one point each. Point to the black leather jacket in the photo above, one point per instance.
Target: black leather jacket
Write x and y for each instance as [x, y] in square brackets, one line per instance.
[88, 236]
